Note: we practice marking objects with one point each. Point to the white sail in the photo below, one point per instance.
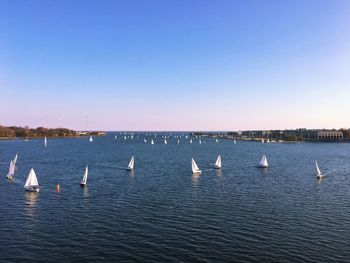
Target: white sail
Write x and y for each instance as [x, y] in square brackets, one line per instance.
[85, 176]
[131, 164]
[11, 170]
[91, 139]
[15, 159]
[124, 137]
[217, 140]
[165, 141]
[152, 142]
[144, 140]
[234, 141]
[195, 168]
[200, 141]
[31, 179]
[268, 140]
[218, 163]
[115, 137]
[318, 171]
[178, 141]
[263, 162]
[45, 141]
[262, 140]
[191, 141]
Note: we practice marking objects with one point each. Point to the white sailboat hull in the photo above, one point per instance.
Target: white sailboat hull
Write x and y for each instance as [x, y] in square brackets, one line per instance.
[32, 188]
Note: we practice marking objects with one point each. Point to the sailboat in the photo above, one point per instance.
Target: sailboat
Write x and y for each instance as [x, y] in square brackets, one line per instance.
[45, 141]
[191, 141]
[200, 141]
[91, 139]
[144, 140]
[195, 169]
[115, 137]
[234, 141]
[165, 141]
[152, 142]
[178, 141]
[263, 162]
[85, 176]
[218, 163]
[32, 184]
[11, 170]
[131, 164]
[319, 175]
[216, 140]
[268, 141]
[262, 140]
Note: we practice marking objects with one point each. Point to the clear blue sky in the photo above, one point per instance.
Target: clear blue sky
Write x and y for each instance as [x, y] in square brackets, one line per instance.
[175, 65]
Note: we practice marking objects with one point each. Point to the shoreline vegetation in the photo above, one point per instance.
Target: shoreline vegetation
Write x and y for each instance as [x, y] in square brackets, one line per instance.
[14, 132]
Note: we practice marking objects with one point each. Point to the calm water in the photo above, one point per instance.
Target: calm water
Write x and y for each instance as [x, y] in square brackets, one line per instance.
[161, 213]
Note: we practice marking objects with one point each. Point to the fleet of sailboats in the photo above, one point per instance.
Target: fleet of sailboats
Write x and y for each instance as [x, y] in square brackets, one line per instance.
[32, 184]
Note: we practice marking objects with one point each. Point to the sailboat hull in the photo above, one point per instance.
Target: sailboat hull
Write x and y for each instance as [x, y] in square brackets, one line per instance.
[82, 184]
[217, 167]
[32, 189]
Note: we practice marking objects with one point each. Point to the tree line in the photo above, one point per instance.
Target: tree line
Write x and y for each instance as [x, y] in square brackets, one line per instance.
[13, 132]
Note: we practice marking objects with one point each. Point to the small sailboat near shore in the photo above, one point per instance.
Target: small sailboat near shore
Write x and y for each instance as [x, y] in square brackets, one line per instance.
[45, 141]
[195, 168]
[218, 163]
[131, 164]
[152, 142]
[85, 176]
[32, 184]
[91, 139]
[263, 162]
[319, 174]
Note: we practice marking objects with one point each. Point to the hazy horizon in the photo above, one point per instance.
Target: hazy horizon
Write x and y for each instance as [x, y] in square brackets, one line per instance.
[175, 65]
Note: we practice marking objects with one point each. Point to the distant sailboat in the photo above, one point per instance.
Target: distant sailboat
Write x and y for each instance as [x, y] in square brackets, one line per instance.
[124, 137]
[11, 170]
[91, 139]
[32, 184]
[195, 168]
[165, 141]
[178, 141]
[216, 140]
[268, 141]
[144, 140]
[218, 163]
[45, 141]
[85, 176]
[319, 175]
[131, 164]
[262, 140]
[200, 141]
[115, 137]
[234, 141]
[152, 142]
[191, 141]
[263, 162]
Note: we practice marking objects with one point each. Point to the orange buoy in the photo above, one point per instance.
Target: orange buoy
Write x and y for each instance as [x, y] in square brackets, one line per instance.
[57, 188]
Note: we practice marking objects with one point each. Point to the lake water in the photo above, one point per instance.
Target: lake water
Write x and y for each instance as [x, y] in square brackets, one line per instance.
[161, 213]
